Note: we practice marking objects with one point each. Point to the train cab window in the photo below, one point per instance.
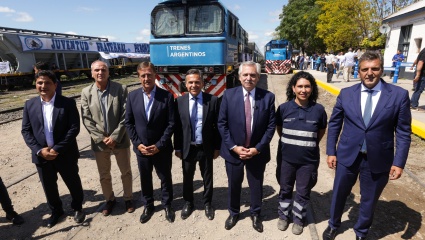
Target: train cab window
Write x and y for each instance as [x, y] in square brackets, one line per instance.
[205, 19]
[168, 21]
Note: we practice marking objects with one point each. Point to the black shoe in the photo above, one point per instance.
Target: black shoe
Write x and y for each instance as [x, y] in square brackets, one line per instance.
[256, 223]
[170, 215]
[187, 210]
[15, 218]
[79, 216]
[209, 211]
[109, 207]
[360, 238]
[231, 221]
[329, 233]
[54, 218]
[147, 213]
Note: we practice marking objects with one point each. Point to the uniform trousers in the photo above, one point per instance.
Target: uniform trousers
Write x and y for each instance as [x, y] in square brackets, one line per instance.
[330, 72]
[162, 164]
[255, 175]
[371, 187]
[103, 160]
[347, 72]
[68, 169]
[305, 178]
[419, 88]
[197, 154]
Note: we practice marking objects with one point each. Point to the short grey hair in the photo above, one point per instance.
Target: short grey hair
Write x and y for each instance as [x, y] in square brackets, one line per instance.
[250, 63]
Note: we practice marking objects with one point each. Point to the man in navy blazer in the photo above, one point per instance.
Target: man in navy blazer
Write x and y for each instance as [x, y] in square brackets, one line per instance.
[149, 121]
[196, 139]
[369, 114]
[246, 124]
[50, 125]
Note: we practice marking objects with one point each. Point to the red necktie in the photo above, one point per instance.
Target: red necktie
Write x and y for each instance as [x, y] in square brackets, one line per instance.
[248, 118]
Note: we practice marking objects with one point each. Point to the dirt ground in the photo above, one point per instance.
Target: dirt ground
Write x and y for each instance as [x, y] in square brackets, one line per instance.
[398, 216]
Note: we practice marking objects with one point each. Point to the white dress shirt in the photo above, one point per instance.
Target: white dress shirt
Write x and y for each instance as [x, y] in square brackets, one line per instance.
[375, 96]
[47, 117]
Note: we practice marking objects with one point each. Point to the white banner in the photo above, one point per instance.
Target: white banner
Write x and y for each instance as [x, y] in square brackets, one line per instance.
[32, 43]
[4, 67]
[126, 55]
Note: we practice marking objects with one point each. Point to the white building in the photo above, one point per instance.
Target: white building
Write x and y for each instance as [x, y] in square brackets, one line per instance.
[407, 31]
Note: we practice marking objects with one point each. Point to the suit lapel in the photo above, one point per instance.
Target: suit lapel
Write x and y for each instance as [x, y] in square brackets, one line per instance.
[95, 98]
[112, 92]
[356, 103]
[205, 106]
[155, 103]
[185, 109]
[39, 112]
[383, 100]
[57, 105]
[254, 108]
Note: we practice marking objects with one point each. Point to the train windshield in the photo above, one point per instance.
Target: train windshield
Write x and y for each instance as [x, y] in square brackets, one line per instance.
[279, 45]
[205, 19]
[168, 21]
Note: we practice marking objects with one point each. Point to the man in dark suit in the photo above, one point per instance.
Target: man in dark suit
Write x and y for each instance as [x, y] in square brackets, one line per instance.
[369, 114]
[150, 123]
[50, 126]
[196, 139]
[246, 124]
[103, 114]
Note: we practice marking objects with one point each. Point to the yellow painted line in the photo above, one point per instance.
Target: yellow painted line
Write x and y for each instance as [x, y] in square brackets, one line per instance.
[418, 127]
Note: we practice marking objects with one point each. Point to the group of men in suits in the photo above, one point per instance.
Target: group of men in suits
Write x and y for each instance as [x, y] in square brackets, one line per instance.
[240, 128]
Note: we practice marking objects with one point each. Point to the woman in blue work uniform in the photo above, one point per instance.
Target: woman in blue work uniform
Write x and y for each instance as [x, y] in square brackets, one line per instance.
[300, 124]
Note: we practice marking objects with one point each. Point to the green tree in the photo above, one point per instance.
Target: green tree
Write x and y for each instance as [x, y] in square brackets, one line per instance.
[344, 24]
[298, 25]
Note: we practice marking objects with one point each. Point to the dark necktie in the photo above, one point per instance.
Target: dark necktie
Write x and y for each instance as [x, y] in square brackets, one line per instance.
[248, 118]
[193, 118]
[367, 114]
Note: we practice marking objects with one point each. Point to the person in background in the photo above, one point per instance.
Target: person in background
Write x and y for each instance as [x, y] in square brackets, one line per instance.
[398, 57]
[420, 83]
[330, 66]
[415, 63]
[7, 206]
[196, 139]
[103, 114]
[349, 62]
[300, 124]
[50, 125]
[375, 120]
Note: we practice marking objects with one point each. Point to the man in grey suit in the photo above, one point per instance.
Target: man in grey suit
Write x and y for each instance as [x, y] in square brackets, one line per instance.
[196, 139]
[103, 112]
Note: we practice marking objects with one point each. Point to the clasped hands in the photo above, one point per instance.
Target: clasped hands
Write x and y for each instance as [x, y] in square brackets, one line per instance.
[148, 150]
[245, 153]
[109, 142]
[48, 153]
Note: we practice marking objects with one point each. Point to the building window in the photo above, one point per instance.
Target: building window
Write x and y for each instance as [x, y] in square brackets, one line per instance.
[404, 41]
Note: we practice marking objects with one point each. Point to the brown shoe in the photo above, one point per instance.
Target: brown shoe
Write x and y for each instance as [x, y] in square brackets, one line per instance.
[108, 207]
[129, 206]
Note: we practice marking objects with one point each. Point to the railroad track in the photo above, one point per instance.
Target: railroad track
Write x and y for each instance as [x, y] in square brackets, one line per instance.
[15, 114]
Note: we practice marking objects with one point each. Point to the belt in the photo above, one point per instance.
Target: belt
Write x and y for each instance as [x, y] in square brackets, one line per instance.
[197, 145]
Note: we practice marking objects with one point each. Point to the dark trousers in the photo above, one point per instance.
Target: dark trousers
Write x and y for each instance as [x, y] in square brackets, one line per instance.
[162, 164]
[330, 72]
[48, 173]
[371, 187]
[419, 88]
[305, 178]
[197, 154]
[5, 201]
[255, 175]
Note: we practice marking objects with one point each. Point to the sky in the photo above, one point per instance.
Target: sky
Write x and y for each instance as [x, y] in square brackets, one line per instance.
[125, 21]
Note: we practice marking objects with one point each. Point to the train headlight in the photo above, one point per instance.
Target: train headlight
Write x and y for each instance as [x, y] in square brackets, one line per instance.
[213, 82]
[205, 69]
[229, 68]
[162, 80]
[165, 69]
